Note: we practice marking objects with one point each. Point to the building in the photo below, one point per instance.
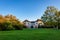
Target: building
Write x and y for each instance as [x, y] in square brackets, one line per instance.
[33, 24]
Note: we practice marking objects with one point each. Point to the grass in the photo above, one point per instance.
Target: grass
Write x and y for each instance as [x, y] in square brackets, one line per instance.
[31, 34]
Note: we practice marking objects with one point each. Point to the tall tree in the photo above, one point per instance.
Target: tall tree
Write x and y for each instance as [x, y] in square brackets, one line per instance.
[49, 17]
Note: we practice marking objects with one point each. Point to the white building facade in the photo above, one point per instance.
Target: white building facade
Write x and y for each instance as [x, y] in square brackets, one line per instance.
[33, 24]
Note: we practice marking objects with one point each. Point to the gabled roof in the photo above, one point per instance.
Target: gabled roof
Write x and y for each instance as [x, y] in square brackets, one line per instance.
[32, 21]
[38, 20]
[25, 21]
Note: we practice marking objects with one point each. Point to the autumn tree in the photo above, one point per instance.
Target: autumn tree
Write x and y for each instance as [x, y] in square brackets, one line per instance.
[15, 22]
[9, 22]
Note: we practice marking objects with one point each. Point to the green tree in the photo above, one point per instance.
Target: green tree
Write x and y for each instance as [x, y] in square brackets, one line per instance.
[49, 17]
[7, 25]
[57, 19]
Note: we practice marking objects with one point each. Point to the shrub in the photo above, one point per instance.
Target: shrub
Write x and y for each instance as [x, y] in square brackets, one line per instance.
[7, 25]
[18, 26]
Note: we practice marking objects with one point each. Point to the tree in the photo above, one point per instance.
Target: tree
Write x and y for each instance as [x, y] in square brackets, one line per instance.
[14, 21]
[7, 25]
[10, 22]
[49, 17]
[57, 19]
[1, 16]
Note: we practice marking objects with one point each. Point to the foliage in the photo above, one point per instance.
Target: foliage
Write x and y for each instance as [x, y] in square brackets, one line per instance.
[8, 25]
[9, 22]
[51, 16]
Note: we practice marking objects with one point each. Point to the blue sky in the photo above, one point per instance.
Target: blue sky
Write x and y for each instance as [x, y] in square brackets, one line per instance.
[26, 9]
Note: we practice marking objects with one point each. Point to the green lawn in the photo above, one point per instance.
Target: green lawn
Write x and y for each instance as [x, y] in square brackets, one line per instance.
[31, 34]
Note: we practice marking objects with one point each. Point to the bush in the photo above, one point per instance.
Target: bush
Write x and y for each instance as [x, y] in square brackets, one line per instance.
[18, 27]
[24, 26]
[10, 26]
[7, 26]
